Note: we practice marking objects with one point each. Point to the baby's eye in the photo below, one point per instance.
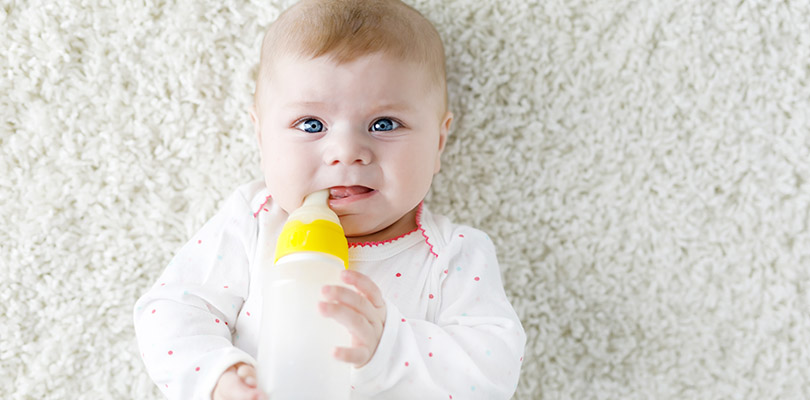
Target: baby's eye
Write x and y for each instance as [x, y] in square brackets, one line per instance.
[384, 124]
[310, 125]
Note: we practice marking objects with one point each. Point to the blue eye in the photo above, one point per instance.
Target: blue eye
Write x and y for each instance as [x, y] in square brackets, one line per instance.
[310, 126]
[384, 125]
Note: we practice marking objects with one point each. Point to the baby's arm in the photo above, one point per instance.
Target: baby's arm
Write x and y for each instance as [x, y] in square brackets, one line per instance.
[184, 322]
[474, 349]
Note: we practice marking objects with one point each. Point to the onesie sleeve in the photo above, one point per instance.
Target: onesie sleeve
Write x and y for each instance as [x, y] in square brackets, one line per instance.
[185, 321]
[471, 348]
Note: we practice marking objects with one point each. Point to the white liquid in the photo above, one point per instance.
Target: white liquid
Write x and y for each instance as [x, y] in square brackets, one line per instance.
[297, 344]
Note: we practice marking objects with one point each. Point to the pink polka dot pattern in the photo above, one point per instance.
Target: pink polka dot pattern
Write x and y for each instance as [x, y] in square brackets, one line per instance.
[466, 268]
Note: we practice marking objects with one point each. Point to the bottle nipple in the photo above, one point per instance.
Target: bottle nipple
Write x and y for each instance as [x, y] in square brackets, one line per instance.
[316, 206]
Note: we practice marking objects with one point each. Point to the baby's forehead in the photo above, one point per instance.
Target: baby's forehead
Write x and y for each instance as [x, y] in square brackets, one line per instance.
[293, 64]
[292, 58]
[373, 81]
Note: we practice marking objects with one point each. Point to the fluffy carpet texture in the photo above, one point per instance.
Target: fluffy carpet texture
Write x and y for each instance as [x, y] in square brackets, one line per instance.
[642, 166]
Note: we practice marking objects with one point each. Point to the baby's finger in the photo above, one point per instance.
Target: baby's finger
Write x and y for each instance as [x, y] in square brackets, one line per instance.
[357, 324]
[352, 299]
[365, 285]
[358, 356]
[231, 386]
[247, 373]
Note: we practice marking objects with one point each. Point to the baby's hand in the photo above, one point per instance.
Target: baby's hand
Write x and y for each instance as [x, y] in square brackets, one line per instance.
[362, 313]
[238, 382]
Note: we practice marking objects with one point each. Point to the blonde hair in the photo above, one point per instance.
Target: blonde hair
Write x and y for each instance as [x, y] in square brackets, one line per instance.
[345, 30]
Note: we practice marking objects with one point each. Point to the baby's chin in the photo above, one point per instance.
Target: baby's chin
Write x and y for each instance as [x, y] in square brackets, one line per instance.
[358, 229]
[358, 235]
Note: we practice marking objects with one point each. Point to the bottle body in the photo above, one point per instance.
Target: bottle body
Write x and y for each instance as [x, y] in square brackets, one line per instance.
[296, 350]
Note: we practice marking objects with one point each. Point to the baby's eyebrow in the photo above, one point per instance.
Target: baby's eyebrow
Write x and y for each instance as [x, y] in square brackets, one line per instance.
[376, 109]
[391, 107]
[304, 104]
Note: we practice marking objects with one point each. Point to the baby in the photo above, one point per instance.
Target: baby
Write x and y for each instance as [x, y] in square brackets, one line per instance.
[351, 96]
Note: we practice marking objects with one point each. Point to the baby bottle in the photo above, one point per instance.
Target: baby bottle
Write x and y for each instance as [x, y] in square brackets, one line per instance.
[296, 346]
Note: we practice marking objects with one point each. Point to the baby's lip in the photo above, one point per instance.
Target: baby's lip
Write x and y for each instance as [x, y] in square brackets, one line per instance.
[340, 192]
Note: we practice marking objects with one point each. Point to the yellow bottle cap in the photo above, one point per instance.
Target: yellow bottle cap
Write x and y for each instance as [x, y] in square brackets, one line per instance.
[313, 227]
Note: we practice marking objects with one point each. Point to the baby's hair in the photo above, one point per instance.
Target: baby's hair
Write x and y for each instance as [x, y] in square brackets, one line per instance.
[345, 30]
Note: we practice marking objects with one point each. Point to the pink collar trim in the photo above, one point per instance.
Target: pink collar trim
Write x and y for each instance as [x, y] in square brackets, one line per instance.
[372, 244]
[419, 227]
[261, 207]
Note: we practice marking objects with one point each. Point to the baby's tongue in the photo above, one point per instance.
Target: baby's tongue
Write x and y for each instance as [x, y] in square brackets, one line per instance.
[339, 192]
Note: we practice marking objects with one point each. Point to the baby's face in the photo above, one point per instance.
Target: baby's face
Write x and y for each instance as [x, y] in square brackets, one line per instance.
[371, 130]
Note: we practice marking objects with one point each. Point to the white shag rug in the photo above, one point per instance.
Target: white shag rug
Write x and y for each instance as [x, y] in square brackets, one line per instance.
[643, 168]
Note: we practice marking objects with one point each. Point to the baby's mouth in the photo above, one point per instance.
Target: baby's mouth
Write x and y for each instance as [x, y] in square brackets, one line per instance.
[341, 192]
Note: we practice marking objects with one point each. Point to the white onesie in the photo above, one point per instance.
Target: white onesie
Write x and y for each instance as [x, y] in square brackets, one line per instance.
[450, 331]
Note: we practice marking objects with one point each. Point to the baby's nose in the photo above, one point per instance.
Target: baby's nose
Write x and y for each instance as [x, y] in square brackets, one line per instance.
[347, 147]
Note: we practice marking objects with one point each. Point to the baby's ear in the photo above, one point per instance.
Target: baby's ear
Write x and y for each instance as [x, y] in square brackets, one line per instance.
[254, 117]
[444, 129]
